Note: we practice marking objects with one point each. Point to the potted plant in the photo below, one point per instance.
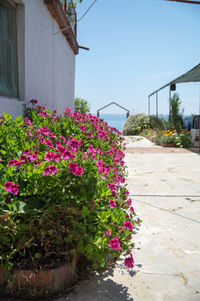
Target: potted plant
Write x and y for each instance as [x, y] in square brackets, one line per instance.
[62, 196]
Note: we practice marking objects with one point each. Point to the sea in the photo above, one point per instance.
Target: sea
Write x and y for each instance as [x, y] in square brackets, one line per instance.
[117, 120]
[114, 120]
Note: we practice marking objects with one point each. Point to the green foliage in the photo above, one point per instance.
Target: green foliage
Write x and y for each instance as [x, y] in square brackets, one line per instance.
[157, 123]
[175, 119]
[135, 124]
[178, 138]
[58, 175]
[81, 105]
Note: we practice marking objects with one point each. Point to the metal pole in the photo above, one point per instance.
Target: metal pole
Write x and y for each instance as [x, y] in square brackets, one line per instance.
[169, 101]
[199, 118]
[148, 105]
[157, 104]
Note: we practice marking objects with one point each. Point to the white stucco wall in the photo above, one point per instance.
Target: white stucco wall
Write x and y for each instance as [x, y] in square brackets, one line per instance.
[49, 62]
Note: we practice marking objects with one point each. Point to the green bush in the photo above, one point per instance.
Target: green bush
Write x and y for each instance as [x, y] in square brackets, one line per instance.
[81, 105]
[175, 119]
[158, 123]
[62, 191]
[135, 124]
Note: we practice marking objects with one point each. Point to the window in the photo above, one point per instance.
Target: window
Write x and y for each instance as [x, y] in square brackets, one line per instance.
[8, 50]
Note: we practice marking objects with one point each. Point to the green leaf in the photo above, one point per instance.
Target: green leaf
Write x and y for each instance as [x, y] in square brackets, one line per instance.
[7, 116]
[37, 255]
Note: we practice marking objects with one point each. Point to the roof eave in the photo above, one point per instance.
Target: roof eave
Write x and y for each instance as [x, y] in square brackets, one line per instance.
[57, 12]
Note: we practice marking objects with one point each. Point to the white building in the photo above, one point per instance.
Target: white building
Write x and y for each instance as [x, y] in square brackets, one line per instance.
[37, 57]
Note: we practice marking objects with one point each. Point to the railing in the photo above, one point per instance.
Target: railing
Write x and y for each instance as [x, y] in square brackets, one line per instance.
[70, 12]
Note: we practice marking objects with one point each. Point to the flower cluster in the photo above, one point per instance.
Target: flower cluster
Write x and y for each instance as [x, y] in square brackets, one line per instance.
[74, 163]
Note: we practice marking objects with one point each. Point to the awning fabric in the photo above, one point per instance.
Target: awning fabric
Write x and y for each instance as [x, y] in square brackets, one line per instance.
[191, 76]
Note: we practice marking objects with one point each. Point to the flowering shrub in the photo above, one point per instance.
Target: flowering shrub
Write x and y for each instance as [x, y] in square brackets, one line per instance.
[135, 124]
[62, 191]
[179, 139]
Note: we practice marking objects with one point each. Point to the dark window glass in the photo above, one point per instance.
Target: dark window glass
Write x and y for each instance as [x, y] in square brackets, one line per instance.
[8, 50]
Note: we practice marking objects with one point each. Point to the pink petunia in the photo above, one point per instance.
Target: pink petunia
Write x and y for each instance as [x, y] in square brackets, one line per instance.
[132, 209]
[44, 130]
[74, 144]
[114, 244]
[72, 167]
[83, 128]
[129, 201]
[34, 101]
[128, 225]
[79, 171]
[50, 170]
[49, 156]
[112, 203]
[108, 233]
[14, 163]
[89, 135]
[32, 157]
[129, 262]
[11, 188]
[48, 143]
[7, 186]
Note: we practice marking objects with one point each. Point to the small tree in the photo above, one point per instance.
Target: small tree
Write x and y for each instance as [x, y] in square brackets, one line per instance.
[81, 105]
[175, 119]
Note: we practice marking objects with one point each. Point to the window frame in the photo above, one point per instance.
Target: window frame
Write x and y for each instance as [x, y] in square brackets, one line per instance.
[20, 28]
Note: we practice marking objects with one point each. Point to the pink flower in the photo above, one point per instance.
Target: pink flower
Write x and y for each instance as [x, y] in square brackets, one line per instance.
[112, 203]
[83, 128]
[26, 152]
[67, 154]
[111, 186]
[89, 135]
[29, 133]
[12, 188]
[75, 169]
[44, 130]
[14, 163]
[72, 167]
[49, 157]
[114, 244]
[28, 121]
[53, 135]
[129, 262]
[74, 144]
[7, 186]
[61, 149]
[32, 157]
[79, 171]
[132, 209]
[129, 201]
[92, 203]
[34, 101]
[50, 170]
[48, 143]
[128, 225]
[108, 233]
[122, 163]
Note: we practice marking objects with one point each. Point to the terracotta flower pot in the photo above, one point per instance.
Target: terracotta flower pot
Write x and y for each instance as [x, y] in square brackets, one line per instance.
[39, 283]
[168, 144]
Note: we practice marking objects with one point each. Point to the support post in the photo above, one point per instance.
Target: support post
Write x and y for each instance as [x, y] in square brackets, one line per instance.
[199, 133]
[169, 101]
[157, 104]
[148, 105]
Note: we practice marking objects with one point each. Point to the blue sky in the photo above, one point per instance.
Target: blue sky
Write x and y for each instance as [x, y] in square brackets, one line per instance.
[136, 46]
